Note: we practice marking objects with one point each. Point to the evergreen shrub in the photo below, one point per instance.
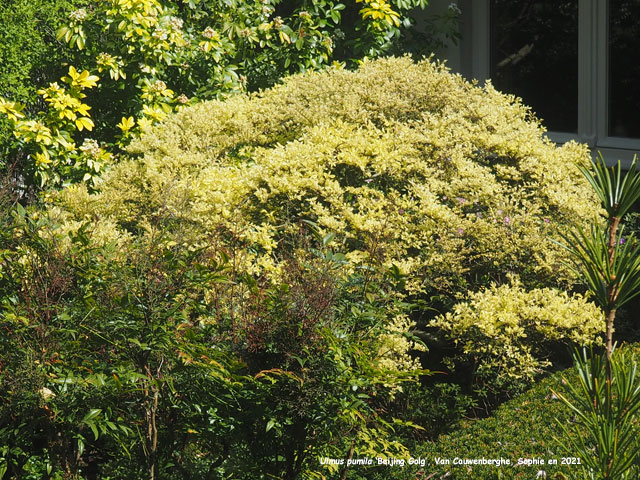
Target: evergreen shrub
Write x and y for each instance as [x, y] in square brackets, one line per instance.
[524, 427]
[527, 427]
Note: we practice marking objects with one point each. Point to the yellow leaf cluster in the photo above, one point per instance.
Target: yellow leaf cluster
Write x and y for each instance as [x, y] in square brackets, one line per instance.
[80, 80]
[506, 328]
[13, 110]
[381, 11]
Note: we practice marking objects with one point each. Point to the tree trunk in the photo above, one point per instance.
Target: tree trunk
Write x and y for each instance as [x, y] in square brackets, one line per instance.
[611, 315]
[611, 285]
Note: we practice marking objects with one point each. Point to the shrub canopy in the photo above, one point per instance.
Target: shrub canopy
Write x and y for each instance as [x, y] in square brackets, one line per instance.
[409, 165]
[403, 167]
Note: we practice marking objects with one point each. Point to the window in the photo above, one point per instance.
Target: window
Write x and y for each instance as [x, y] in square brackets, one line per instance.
[624, 69]
[532, 45]
[575, 62]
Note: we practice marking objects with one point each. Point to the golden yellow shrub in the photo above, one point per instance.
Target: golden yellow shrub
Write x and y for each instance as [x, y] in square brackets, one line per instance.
[408, 164]
[404, 161]
[508, 331]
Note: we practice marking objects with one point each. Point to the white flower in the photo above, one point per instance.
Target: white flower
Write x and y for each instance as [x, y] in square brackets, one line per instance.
[90, 147]
[209, 33]
[46, 393]
[78, 15]
[453, 8]
[161, 34]
[176, 23]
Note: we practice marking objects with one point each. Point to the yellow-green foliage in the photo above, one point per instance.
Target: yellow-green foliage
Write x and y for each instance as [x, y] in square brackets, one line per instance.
[507, 330]
[407, 163]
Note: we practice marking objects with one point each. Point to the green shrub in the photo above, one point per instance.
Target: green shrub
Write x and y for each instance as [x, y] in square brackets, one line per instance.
[434, 404]
[155, 360]
[521, 428]
[30, 57]
[28, 50]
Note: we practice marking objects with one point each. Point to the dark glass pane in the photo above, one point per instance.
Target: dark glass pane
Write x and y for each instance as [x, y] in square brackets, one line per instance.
[624, 68]
[534, 55]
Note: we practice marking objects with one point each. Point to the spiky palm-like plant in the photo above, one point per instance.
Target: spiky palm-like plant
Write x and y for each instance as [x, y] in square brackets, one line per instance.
[605, 410]
[609, 262]
[606, 400]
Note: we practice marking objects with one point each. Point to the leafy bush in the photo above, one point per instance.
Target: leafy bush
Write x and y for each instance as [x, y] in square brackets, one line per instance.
[525, 427]
[48, 136]
[436, 404]
[149, 359]
[510, 333]
[28, 49]
[411, 169]
[30, 57]
[408, 164]
[450, 185]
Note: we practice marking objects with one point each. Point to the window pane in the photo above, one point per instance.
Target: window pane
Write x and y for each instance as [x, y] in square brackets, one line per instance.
[624, 68]
[534, 55]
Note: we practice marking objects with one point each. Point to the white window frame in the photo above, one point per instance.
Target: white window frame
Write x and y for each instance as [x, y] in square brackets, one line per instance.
[593, 26]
